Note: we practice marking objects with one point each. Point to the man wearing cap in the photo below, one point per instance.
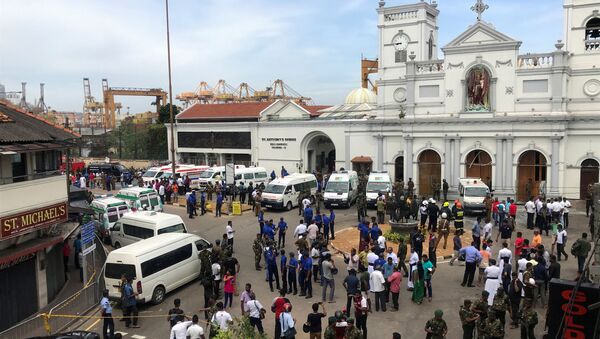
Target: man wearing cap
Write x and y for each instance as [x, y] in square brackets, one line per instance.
[351, 331]
[436, 328]
[468, 319]
[433, 212]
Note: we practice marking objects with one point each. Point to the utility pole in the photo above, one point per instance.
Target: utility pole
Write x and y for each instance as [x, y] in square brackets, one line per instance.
[170, 93]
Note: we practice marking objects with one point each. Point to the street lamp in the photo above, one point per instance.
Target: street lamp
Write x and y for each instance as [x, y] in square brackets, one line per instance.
[170, 92]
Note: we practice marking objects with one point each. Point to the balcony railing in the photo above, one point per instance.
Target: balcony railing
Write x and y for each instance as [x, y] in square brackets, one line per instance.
[535, 61]
[29, 177]
[592, 45]
[400, 16]
[433, 66]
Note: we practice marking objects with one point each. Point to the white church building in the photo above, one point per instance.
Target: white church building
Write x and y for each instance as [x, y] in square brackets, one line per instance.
[486, 109]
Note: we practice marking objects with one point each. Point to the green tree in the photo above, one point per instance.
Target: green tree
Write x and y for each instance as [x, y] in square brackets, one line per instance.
[163, 114]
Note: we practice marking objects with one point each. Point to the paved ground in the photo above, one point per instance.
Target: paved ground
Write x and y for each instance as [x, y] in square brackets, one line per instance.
[409, 321]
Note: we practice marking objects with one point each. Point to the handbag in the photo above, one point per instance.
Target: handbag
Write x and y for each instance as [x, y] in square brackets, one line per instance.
[306, 328]
[334, 270]
[290, 333]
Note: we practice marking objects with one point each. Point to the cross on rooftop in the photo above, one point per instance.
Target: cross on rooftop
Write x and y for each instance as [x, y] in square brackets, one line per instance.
[479, 8]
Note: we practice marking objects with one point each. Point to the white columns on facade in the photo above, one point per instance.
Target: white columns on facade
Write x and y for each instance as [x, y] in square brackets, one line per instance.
[379, 152]
[408, 157]
[509, 182]
[455, 163]
[347, 151]
[555, 157]
[447, 163]
[498, 183]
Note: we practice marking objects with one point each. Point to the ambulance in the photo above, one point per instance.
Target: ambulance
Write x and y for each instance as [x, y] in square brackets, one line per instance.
[341, 189]
[378, 183]
[141, 198]
[472, 192]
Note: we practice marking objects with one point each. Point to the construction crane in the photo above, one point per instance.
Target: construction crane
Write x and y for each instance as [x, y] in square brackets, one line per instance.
[244, 93]
[368, 67]
[280, 90]
[203, 94]
[223, 92]
[93, 111]
[111, 107]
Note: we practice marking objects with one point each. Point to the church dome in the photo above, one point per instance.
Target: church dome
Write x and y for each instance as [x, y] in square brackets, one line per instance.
[361, 96]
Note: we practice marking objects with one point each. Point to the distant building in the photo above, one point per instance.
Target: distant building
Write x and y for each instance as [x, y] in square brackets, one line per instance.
[33, 212]
[145, 118]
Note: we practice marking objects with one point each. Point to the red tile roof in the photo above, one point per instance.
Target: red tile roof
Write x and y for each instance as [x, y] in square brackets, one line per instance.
[246, 110]
[5, 118]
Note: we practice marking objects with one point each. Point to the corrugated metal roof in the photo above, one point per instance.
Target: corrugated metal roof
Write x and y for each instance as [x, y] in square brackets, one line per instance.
[27, 127]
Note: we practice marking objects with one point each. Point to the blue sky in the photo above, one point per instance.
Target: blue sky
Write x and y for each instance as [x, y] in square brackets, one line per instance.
[313, 45]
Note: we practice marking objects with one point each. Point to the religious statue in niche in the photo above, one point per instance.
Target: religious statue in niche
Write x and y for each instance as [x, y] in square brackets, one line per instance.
[478, 91]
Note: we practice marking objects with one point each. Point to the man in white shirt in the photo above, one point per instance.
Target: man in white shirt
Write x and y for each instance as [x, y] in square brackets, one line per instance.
[254, 308]
[216, 272]
[505, 252]
[381, 243]
[305, 202]
[179, 330]
[487, 231]
[82, 181]
[371, 257]
[312, 231]
[391, 254]
[352, 260]
[222, 319]
[567, 205]
[378, 287]
[230, 231]
[561, 240]
[530, 209]
[556, 210]
[195, 331]
[300, 230]
[161, 193]
[412, 261]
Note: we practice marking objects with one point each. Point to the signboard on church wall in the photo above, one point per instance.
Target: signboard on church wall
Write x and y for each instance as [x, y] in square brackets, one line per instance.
[577, 320]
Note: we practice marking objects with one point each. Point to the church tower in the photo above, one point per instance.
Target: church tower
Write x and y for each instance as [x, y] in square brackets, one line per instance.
[582, 32]
[406, 32]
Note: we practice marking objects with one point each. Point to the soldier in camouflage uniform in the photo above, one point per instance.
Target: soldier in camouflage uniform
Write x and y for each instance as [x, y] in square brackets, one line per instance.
[468, 319]
[480, 307]
[493, 327]
[352, 332]
[361, 198]
[330, 329]
[528, 319]
[500, 305]
[436, 328]
[257, 247]
[206, 279]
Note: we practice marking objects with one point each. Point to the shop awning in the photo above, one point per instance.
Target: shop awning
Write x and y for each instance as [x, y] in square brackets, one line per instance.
[24, 251]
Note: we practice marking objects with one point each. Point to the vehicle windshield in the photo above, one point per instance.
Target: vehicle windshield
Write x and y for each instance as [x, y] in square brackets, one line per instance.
[153, 200]
[475, 191]
[378, 186]
[179, 228]
[113, 215]
[149, 174]
[278, 189]
[144, 201]
[206, 174]
[115, 271]
[337, 186]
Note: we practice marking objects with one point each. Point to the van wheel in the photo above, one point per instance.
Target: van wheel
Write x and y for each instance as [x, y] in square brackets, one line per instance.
[288, 206]
[117, 245]
[159, 295]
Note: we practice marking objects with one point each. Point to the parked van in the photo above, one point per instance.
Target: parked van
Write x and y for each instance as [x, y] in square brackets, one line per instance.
[472, 193]
[157, 265]
[283, 192]
[107, 211]
[247, 175]
[136, 226]
[341, 189]
[153, 173]
[378, 182]
[114, 169]
[141, 198]
[213, 175]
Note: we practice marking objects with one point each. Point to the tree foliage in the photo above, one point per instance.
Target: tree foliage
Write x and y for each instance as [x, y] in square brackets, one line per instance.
[164, 116]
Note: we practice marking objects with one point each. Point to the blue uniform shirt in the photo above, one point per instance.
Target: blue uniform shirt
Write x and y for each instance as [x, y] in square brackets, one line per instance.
[306, 263]
[332, 216]
[283, 261]
[105, 304]
[293, 263]
[375, 232]
[325, 221]
[282, 226]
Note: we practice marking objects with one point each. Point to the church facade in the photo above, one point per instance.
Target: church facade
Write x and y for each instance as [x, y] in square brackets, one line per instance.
[485, 109]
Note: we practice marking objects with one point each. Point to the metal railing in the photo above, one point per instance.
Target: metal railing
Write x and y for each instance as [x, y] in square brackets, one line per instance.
[32, 327]
[29, 177]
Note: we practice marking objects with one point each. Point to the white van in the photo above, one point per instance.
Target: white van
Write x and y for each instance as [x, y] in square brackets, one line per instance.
[136, 226]
[213, 175]
[472, 193]
[107, 210]
[153, 173]
[378, 182]
[157, 265]
[283, 192]
[341, 189]
[247, 175]
[141, 198]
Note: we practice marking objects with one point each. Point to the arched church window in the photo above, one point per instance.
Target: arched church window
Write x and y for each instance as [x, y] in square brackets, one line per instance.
[592, 35]
[430, 46]
[478, 90]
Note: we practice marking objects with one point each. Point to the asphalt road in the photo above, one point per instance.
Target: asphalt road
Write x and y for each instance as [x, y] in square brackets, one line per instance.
[448, 295]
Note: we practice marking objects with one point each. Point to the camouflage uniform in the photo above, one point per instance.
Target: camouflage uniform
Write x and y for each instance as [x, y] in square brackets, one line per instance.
[494, 329]
[329, 333]
[528, 319]
[468, 326]
[361, 205]
[257, 247]
[481, 307]
[500, 306]
[352, 332]
[438, 327]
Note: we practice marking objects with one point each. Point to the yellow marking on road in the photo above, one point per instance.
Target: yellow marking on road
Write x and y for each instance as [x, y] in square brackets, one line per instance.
[92, 325]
